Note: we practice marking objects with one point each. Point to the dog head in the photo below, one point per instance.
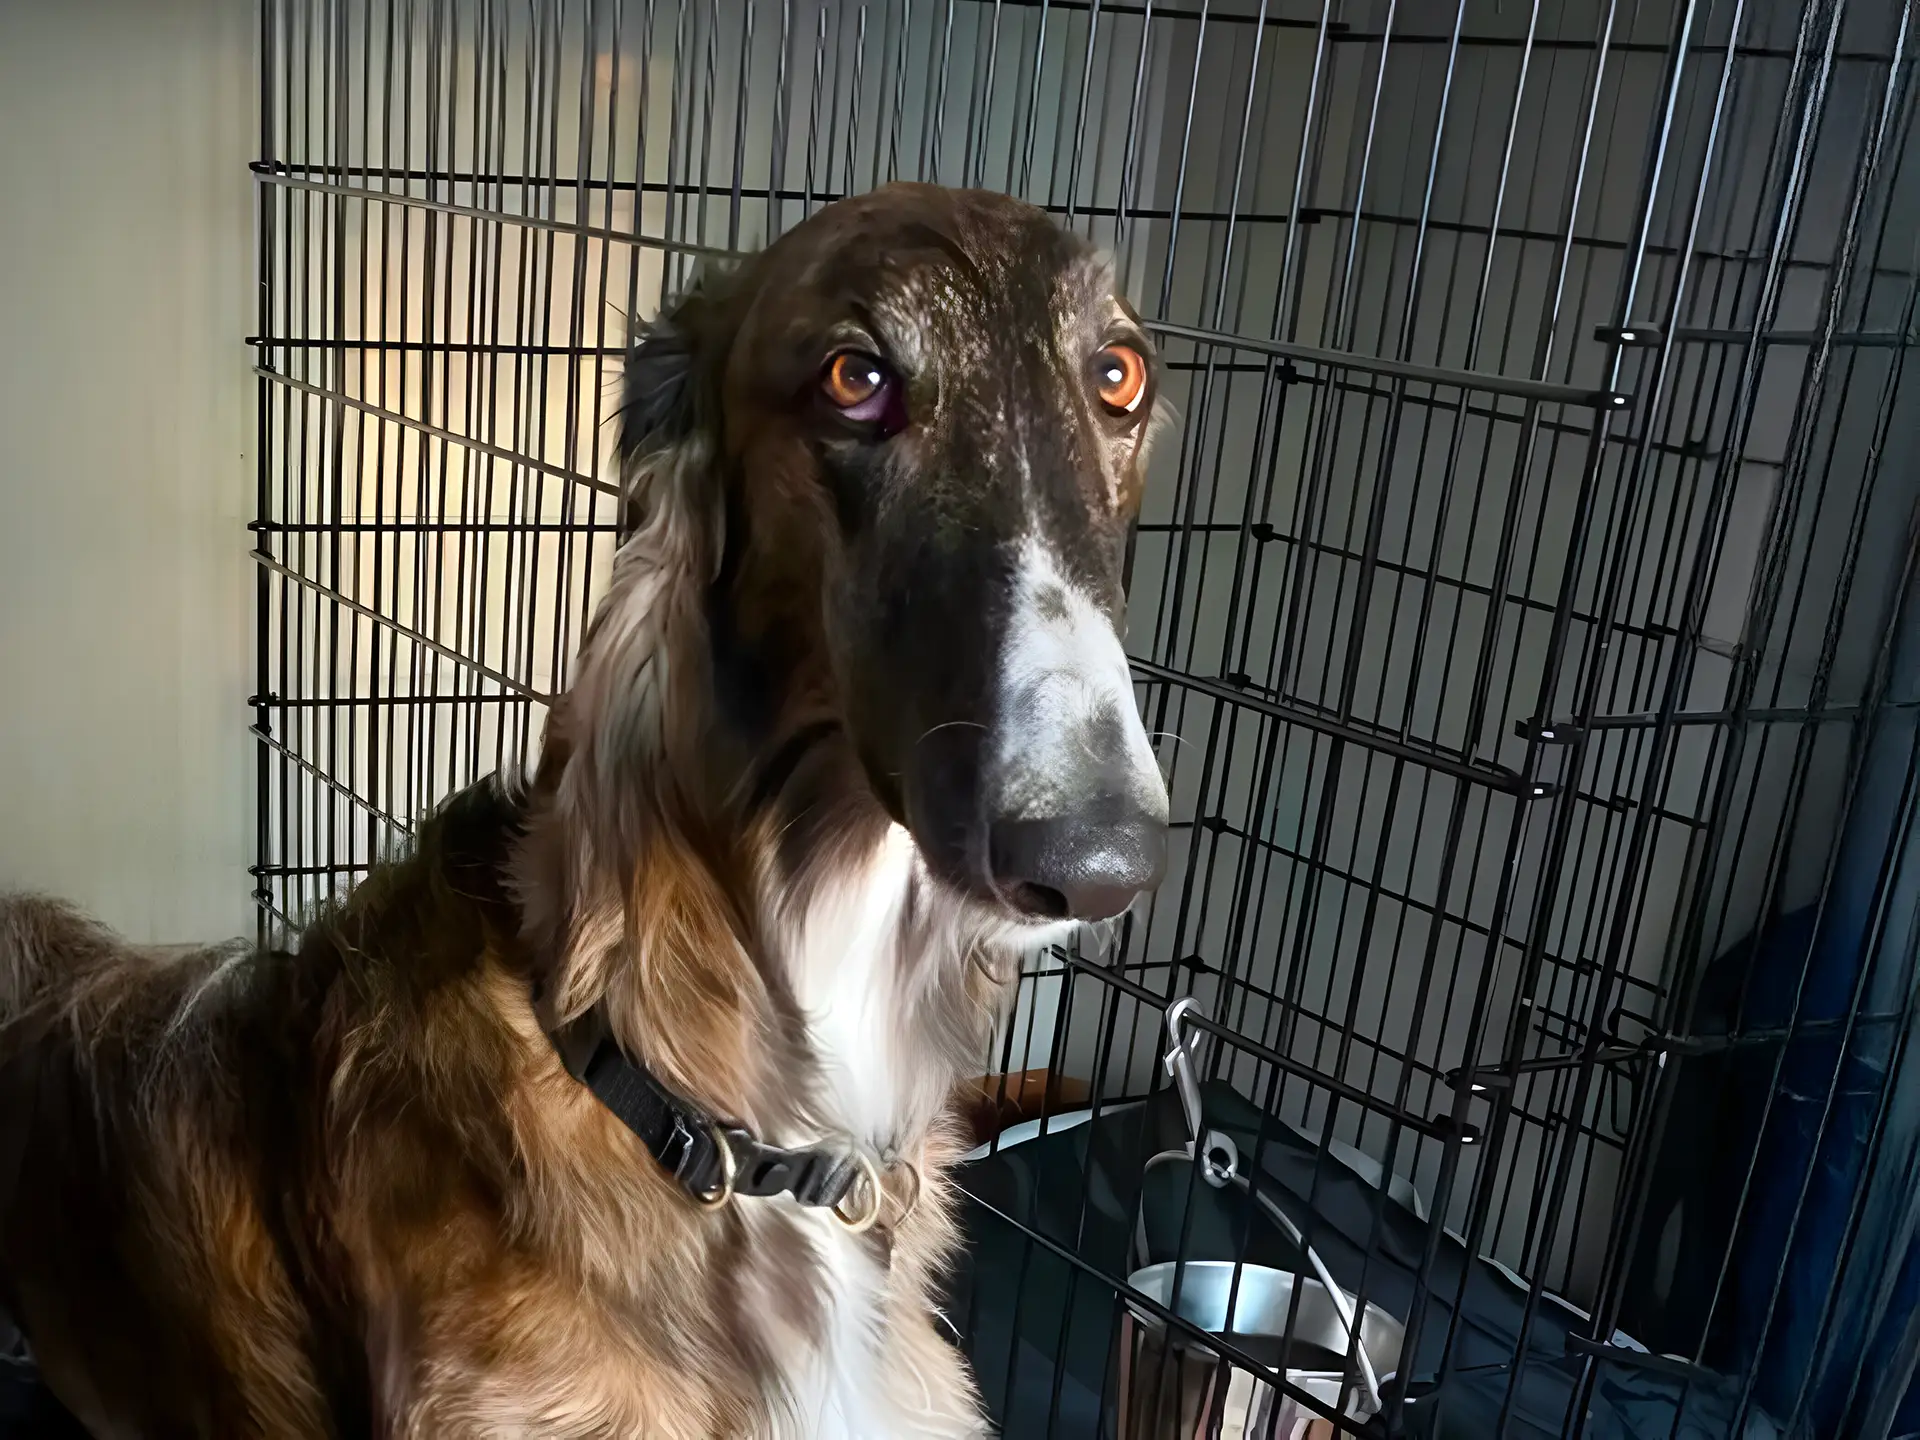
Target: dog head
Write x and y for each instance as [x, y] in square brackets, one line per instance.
[901, 448]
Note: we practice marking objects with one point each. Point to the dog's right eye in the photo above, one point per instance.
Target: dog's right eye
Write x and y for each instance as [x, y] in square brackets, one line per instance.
[1120, 378]
[858, 385]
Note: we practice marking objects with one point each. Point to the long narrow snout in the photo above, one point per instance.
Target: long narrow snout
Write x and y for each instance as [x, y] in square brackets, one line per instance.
[1077, 808]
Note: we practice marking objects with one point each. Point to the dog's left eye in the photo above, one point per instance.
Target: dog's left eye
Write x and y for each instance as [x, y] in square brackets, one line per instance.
[858, 385]
[1120, 378]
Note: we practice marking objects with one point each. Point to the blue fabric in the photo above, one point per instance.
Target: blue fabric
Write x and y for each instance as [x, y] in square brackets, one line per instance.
[1849, 1270]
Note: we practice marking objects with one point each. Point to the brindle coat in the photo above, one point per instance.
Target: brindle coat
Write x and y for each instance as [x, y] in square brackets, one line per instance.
[350, 1189]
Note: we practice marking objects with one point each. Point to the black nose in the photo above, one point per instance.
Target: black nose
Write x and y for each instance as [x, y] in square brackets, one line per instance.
[1087, 866]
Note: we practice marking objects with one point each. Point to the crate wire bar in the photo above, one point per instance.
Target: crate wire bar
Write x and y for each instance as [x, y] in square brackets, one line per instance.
[1521, 605]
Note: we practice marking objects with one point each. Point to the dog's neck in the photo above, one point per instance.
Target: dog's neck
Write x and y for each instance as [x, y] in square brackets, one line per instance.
[887, 979]
[728, 890]
[870, 976]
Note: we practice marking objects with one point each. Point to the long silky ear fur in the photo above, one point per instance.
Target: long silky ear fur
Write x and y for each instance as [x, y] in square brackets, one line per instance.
[616, 882]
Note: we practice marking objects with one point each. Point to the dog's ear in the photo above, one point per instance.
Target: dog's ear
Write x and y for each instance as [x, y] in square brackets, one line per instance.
[634, 704]
[668, 412]
[657, 413]
[657, 404]
[623, 744]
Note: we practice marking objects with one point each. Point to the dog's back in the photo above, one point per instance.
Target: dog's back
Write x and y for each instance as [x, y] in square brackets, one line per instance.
[165, 1206]
[122, 1151]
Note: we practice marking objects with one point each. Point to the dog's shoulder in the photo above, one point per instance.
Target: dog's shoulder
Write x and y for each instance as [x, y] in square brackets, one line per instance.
[399, 997]
[430, 916]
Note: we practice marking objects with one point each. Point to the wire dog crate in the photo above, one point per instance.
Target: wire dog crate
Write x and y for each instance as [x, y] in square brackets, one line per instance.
[1522, 606]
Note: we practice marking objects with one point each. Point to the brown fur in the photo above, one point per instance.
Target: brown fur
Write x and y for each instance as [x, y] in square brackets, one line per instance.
[350, 1189]
[504, 1244]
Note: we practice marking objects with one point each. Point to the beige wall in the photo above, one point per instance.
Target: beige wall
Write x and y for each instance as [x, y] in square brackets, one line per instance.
[125, 465]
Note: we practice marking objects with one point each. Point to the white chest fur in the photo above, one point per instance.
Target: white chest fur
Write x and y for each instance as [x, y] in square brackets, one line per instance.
[850, 977]
[851, 1376]
[878, 964]
[835, 1377]
[845, 963]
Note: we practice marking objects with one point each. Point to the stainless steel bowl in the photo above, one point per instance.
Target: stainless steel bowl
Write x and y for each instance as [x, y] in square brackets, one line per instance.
[1172, 1386]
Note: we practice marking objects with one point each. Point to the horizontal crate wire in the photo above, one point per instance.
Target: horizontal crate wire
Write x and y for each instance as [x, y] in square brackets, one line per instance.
[1516, 604]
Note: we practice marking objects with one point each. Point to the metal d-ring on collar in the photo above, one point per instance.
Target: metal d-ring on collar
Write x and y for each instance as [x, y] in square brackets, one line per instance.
[877, 1189]
[710, 1159]
[859, 1223]
[729, 1170]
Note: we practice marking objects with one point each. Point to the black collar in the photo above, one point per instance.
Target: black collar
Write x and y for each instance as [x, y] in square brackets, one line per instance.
[712, 1160]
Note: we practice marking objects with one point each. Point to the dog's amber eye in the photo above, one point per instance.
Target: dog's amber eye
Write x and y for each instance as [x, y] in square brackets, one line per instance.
[854, 381]
[1120, 376]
